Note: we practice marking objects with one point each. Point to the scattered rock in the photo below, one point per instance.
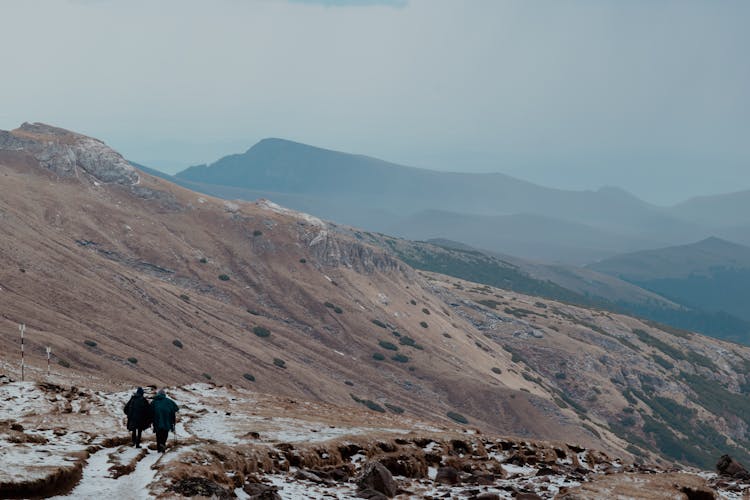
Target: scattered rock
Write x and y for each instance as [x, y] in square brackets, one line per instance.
[199, 486]
[260, 491]
[727, 466]
[447, 475]
[376, 477]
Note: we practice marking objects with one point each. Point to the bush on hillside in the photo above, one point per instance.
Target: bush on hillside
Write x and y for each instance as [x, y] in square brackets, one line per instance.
[90, 343]
[279, 362]
[261, 331]
[400, 358]
[457, 417]
[378, 356]
[423, 324]
[177, 343]
[388, 345]
[249, 377]
[395, 409]
[379, 323]
[224, 277]
[133, 361]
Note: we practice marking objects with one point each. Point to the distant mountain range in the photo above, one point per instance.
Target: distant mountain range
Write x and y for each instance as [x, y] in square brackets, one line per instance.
[491, 211]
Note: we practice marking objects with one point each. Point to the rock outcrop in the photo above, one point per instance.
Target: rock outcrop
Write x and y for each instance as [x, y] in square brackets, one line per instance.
[68, 154]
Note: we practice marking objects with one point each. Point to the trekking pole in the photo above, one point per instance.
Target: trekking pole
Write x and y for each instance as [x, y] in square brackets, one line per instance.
[22, 327]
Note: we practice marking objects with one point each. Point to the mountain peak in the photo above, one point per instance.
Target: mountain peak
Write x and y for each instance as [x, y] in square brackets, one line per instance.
[68, 154]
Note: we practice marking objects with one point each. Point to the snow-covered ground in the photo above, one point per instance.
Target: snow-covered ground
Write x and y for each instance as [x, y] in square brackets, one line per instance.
[228, 440]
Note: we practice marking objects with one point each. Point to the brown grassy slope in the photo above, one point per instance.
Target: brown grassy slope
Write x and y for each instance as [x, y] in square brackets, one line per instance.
[122, 267]
[680, 394]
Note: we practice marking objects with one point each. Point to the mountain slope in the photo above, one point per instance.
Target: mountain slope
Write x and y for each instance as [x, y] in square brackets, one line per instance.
[712, 274]
[143, 282]
[150, 283]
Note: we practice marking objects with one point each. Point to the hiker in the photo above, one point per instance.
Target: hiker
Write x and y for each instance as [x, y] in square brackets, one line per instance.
[138, 411]
[163, 411]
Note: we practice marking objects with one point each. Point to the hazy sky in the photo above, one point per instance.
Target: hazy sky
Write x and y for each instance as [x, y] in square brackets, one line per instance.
[650, 95]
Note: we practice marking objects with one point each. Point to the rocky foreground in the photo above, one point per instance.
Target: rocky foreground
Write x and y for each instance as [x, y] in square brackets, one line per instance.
[67, 442]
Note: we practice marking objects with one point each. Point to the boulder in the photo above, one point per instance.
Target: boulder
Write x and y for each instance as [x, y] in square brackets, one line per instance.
[447, 475]
[727, 466]
[260, 491]
[377, 478]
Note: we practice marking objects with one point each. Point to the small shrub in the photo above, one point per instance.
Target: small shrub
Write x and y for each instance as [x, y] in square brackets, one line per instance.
[248, 377]
[329, 305]
[303, 261]
[257, 232]
[177, 343]
[560, 376]
[207, 376]
[90, 343]
[338, 310]
[261, 331]
[378, 356]
[224, 277]
[63, 363]
[497, 370]
[395, 409]
[253, 312]
[400, 358]
[413, 302]
[373, 406]
[425, 310]
[457, 417]
[423, 324]
[396, 334]
[407, 341]
[388, 345]
[447, 335]
[279, 362]
[184, 297]
[349, 383]
[133, 361]
[203, 260]
[379, 323]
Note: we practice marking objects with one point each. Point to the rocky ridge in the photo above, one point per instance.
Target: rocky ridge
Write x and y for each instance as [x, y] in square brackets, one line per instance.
[68, 154]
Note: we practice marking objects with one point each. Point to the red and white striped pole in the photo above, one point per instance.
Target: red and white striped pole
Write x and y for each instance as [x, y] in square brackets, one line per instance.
[49, 352]
[22, 327]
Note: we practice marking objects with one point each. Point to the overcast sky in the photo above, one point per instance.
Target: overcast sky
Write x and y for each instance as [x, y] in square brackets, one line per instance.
[649, 95]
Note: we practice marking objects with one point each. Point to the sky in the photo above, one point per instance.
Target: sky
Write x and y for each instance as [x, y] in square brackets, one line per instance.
[649, 95]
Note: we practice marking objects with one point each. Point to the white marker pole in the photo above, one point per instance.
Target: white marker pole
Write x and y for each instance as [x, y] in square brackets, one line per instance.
[22, 327]
[49, 352]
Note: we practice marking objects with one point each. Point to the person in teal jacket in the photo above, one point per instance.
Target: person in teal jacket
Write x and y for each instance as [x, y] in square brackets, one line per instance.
[163, 414]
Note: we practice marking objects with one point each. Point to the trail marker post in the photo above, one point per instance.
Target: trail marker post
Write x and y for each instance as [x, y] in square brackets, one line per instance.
[22, 327]
[49, 352]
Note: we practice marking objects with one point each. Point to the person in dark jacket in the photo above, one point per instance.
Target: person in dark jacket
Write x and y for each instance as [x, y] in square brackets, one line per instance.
[138, 411]
[163, 412]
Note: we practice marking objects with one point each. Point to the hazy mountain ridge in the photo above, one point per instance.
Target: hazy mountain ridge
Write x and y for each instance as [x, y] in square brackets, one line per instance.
[386, 195]
[712, 274]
